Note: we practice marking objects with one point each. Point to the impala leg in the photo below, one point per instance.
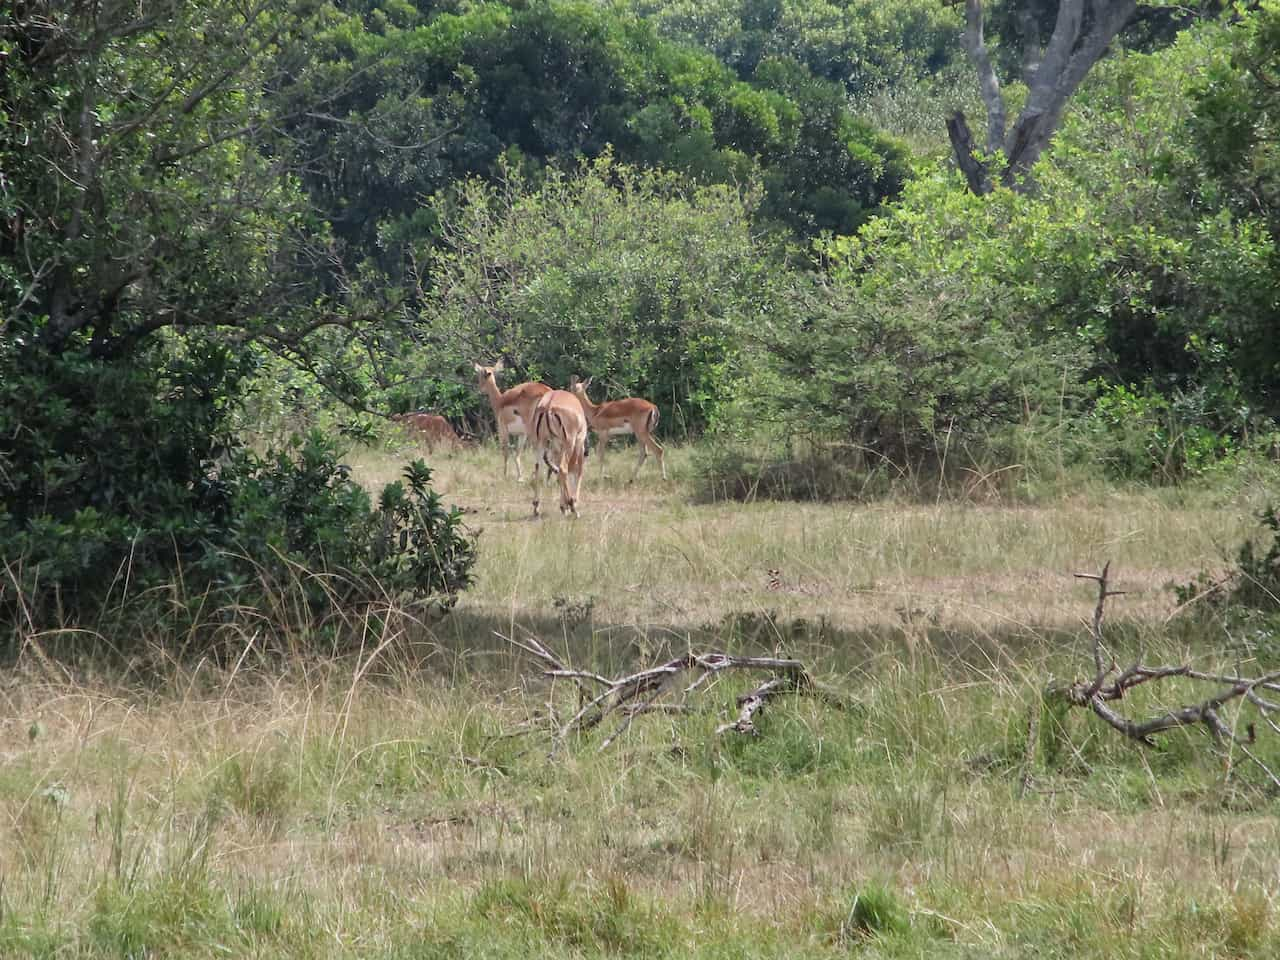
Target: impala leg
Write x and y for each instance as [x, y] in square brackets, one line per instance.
[661, 454]
[570, 474]
[520, 440]
[649, 445]
[603, 439]
[537, 490]
[566, 500]
[644, 452]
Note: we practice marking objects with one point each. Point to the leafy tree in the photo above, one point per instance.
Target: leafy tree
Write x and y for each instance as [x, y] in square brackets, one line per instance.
[1135, 292]
[923, 333]
[151, 229]
[430, 95]
[1180, 286]
[860, 44]
[1235, 118]
[629, 276]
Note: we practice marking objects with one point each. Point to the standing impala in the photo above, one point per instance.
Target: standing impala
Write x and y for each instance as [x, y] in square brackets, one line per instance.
[512, 409]
[558, 429]
[631, 415]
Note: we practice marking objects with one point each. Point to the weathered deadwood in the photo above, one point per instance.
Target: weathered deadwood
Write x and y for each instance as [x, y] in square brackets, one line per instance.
[1110, 684]
[639, 692]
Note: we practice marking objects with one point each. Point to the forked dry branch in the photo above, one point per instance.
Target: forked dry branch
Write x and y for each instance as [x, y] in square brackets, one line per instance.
[1110, 684]
[629, 696]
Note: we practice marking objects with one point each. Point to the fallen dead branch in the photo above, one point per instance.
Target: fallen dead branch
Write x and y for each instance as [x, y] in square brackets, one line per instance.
[1110, 684]
[629, 696]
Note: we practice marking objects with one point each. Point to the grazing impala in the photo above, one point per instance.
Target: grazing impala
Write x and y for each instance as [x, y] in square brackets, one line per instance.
[431, 428]
[631, 415]
[512, 410]
[558, 429]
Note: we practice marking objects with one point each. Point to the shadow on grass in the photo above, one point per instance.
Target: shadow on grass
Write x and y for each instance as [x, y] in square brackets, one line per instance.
[473, 645]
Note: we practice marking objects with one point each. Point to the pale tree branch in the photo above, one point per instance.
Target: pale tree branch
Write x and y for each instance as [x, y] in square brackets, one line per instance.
[639, 692]
[1081, 36]
[1107, 686]
[989, 83]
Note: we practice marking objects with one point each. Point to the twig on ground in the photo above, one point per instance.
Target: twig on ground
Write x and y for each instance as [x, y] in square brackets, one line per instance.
[1102, 690]
[639, 692]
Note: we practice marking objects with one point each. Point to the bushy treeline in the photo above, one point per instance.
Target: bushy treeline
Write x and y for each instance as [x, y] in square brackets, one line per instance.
[1134, 295]
[420, 96]
[1122, 314]
[680, 203]
[629, 276]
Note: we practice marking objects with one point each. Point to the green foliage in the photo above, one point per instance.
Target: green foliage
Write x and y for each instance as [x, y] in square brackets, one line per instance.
[1258, 583]
[454, 92]
[169, 210]
[608, 919]
[1144, 435]
[1147, 257]
[918, 342]
[89, 522]
[1253, 585]
[789, 746]
[299, 508]
[628, 276]
[875, 910]
[1169, 183]
[106, 467]
[151, 235]
[860, 44]
[425, 550]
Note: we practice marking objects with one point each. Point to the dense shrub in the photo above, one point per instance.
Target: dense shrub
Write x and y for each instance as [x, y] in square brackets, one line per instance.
[633, 277]
[121, 477]
[1141, 434]
[911, 347]
[1131, 297]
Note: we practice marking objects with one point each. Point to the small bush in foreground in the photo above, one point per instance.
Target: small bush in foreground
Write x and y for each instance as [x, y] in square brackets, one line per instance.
[287, 528]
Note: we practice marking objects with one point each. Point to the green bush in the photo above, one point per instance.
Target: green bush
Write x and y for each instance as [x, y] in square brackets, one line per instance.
[298, 507]
[121, 475]
[635, 278]
[912, 351]
[1140, 434]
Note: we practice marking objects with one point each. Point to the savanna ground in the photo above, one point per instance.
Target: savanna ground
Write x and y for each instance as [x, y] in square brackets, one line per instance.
[401, 800]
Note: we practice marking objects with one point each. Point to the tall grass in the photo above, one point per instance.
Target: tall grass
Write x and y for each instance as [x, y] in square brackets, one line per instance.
[394, 795]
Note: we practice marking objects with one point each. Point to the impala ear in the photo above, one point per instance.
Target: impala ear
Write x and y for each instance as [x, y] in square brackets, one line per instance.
[573, 380]
[499, 366]
[479, 369]
[586, 383]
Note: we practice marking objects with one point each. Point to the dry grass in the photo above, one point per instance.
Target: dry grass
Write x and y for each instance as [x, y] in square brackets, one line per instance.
[403, 802]
[645, 555]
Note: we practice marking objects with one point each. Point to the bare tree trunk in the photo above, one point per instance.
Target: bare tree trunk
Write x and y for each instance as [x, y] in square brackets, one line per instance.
[1080, 37]
[975, 171]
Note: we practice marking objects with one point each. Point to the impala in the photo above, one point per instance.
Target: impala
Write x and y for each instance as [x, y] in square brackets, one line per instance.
[558, 428]
[512, 409]
[632, 415]
[431, 428]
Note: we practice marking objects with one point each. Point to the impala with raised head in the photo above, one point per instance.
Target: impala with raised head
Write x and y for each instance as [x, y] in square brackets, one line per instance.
[512, 409]
[632, 415]
[431, 428]
[558, 431]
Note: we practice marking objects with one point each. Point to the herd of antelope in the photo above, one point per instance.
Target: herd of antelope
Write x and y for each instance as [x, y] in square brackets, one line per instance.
[556, 423]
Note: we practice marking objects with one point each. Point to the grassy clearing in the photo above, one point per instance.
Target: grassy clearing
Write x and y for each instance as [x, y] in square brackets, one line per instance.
[400, 801]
